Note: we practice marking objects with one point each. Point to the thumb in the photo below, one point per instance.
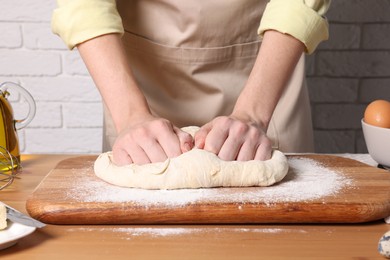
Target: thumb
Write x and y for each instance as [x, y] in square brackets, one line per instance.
[185, 139]
[200, 136]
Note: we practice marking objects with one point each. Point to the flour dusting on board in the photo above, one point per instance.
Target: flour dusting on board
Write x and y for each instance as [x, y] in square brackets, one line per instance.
[157, 232]
[306, 180]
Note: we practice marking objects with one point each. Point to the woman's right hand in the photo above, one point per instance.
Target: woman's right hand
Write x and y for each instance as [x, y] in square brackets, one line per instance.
[142, 137]
[151, 140]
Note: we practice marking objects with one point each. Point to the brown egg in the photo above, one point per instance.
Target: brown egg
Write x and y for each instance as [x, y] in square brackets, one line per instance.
[378, 113]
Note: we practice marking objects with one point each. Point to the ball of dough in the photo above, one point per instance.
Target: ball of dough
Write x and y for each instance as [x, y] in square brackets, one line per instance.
[196, 168]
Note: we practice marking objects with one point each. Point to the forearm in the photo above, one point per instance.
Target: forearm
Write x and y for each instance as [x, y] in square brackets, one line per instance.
[106, 61]
[277, 58]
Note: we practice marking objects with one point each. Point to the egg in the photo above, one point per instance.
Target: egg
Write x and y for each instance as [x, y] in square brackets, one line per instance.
[377, 113]
[384, 245]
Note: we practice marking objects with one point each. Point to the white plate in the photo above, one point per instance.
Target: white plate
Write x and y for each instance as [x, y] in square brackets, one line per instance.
[13, 233]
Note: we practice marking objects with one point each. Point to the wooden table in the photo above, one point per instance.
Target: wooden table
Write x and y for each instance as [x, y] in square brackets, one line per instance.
[182, 242]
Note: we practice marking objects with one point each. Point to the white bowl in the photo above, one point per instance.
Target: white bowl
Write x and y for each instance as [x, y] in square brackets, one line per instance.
[378, 143]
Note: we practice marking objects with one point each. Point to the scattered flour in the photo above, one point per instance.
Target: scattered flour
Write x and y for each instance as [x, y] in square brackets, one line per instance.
[131, 232]
[306, 181]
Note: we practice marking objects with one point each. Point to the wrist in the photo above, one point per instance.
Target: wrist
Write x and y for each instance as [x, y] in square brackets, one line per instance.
[133, 116]
[253, 115]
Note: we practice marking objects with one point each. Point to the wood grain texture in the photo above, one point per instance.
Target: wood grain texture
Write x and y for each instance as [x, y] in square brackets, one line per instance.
[368, 200]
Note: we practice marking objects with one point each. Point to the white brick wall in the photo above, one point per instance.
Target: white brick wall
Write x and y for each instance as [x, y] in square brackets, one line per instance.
[344, 75]
[69, 112]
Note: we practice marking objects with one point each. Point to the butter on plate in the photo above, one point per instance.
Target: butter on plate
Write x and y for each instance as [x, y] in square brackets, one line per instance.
[3, 217]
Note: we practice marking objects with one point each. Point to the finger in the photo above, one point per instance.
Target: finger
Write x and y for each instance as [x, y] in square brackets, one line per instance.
[247, 151]
[121, 157]
[137, 154]
[235, 136]
[185, 139]
[126, 150]
[264, 151]
[251, 137]
[230, 149]
[215, 140]
[170, 143]
[200, 136]
[153, 151]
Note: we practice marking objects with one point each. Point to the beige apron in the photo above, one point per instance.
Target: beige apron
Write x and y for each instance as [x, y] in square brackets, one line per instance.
[192, 58]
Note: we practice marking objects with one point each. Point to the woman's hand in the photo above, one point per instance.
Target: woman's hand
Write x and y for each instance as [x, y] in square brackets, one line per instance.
[242, 135]
[233, 139]
[152, 140]
[142, 137]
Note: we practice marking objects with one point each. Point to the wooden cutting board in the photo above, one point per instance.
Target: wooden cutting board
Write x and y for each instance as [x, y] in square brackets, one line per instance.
[317, 189]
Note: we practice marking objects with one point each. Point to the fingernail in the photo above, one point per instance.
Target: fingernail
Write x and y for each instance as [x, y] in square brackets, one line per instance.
[187, 147]
[198, 144]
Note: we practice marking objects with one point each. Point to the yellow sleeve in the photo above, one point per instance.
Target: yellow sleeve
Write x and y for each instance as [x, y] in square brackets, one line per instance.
[76, 21]
[302, 19]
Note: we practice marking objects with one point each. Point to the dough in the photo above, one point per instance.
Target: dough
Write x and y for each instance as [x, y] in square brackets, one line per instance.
[3, 217]
[194, 169]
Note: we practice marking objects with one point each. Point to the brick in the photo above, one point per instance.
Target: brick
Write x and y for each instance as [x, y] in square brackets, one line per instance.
[39, 36]
[47, 114]
[73, 64]
[62, 89]
[63, 140]
[332, 90]
[79, 115]
[32, 63]
[342, 37]
[334, 141]
[11, 35]
[375, 88]
[376, 36]
[26, 10]
[337, 116]
[353, 63]
[11, 79]
[359, 11]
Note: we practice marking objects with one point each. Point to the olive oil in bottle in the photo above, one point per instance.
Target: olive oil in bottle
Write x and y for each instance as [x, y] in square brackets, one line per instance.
[9, 144]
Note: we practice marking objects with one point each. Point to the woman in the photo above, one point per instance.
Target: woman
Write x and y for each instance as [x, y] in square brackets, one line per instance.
[164, 64]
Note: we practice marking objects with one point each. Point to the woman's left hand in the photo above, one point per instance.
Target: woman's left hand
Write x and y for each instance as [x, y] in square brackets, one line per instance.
[233, 139]
[242, 135]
